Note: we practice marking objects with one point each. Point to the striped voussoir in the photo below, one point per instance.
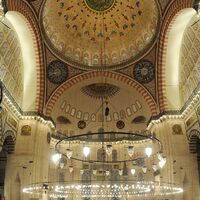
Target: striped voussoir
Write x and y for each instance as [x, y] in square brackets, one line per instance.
[169, 18]
[24, 8]
[112, 75]
[8, 140]
[194, 138]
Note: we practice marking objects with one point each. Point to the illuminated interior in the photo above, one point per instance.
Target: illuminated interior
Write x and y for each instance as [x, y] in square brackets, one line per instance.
[99, 100]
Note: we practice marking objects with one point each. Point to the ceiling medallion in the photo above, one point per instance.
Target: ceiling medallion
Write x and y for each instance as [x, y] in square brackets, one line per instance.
[100, 90]
[57, 72]
[81, 124]
[99, 5]
[144, 71]
[120, 124]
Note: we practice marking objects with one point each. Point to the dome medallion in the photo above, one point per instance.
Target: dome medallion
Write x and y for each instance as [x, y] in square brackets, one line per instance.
[100, 34]
[99, 5]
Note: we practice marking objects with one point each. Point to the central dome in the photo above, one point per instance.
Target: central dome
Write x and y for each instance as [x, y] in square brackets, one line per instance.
[100, 34]
[99, 5]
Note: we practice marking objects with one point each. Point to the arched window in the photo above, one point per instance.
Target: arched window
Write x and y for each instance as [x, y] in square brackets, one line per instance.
[101, 154]
[114, 155]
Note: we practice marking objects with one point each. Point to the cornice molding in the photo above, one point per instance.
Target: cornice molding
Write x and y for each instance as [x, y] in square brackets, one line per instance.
[188, 107]
[23, 115]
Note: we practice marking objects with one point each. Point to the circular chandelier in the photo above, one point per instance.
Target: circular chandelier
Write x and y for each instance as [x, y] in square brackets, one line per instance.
[109, 148]
[95, 189]
[108, 165]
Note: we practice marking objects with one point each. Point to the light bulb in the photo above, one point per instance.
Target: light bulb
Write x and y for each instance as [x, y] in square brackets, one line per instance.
[132, 171]
[120, 172]
[107, 172]
[86, 151]
[162, 162]
[144, 169]
[130, 151]
[109, 149]
[81, 171]
[62, 165]
[69, 153]
[159, 155]
[154, 167]
[56, 157]
[148, 151]
[94, 171]
[71, 169]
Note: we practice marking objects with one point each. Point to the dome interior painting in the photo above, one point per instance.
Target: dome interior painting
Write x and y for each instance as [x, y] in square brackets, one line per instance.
[100, 34]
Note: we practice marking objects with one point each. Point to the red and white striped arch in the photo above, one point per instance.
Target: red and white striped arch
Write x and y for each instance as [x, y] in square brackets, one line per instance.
[24, 9]
[171, 15]
[194, 137]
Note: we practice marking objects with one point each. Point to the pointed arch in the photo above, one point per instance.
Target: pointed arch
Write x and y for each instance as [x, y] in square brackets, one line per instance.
[25, 15]
[173, 14]
[112, 75]
[8, 140]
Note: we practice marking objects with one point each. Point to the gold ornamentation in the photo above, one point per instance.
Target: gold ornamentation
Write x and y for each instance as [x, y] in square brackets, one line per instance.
[26, 130]
[99, 5]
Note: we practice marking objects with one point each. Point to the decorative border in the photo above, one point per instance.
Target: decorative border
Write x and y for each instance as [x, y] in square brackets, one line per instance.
[191, 120]
[7, 98]
[23, 8]
[172, 12]
[94, 74]
[184, 110]
[191, 104]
